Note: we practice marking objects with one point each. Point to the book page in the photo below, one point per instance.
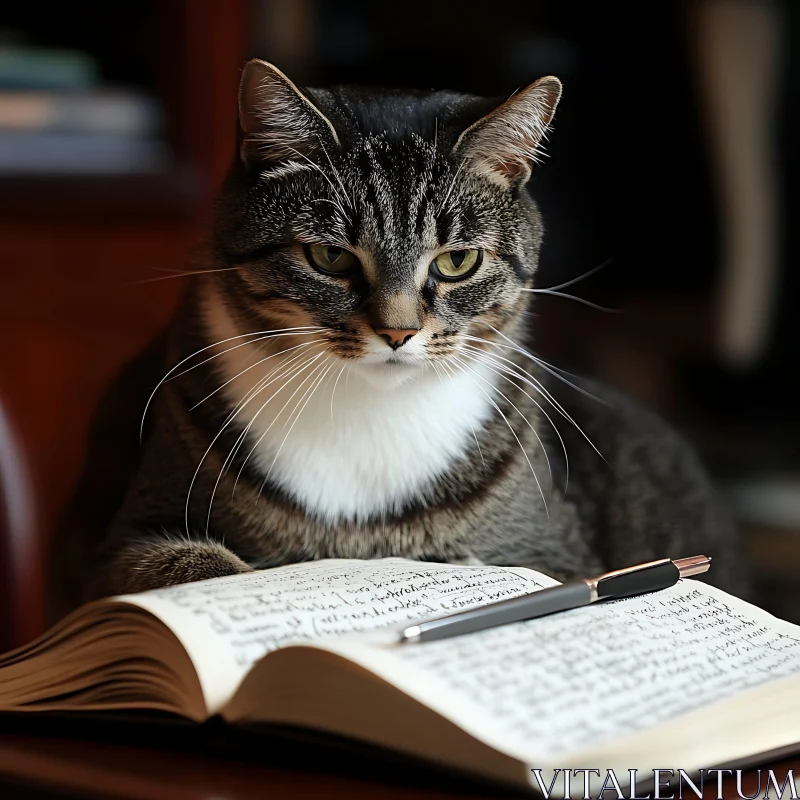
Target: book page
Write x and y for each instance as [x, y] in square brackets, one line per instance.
[574, 680]
[226, 624]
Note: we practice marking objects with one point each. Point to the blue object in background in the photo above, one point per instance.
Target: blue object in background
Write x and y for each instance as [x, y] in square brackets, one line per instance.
[45, 68]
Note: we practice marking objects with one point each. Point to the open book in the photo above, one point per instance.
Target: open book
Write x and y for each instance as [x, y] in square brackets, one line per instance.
[669, 679]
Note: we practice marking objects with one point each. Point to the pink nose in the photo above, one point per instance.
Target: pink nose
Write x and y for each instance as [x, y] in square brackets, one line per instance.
[394, 337]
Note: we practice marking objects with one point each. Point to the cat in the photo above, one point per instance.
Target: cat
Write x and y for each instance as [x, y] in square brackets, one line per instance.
[352, 379]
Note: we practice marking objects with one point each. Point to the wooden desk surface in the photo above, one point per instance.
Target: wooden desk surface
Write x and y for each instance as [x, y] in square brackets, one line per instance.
[54, 765]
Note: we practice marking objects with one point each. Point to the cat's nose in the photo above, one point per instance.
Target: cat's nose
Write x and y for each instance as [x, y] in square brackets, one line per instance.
[395, 337]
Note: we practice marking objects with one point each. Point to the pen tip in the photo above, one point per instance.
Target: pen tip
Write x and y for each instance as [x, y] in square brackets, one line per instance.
[695, 565]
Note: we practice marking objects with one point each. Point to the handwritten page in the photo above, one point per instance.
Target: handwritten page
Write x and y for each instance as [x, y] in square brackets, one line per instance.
[580, 678]
[229, 623]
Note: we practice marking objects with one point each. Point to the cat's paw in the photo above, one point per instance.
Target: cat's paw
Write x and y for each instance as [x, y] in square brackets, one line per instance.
[158, 562]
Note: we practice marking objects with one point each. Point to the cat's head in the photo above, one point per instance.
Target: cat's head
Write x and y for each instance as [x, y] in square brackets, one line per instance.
[397, 222]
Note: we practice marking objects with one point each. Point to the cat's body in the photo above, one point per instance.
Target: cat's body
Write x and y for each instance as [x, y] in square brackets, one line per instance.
[387, 407]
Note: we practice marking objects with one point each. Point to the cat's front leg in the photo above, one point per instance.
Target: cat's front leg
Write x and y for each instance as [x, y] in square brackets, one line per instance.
[156, 562]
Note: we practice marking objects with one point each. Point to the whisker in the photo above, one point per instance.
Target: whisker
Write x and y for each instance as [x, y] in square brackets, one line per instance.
[289, 366]
[583, 277]
[240, 439]
[185, 274]
[539, 386]
[336, 174]
[552, 370]
[308, 395]
[298, 370]
[447, 367]
[317, 373]
[315, 376]
[164, 269]
[236, 410]
[270, 335]
[436, 370]
[283, 407]
[189, 357]
[335, 384]
[510, 427]
[326, 200]
[534, 383]
[347, 382]
[559, 370]
[503, 373]
[527, 377]
[339, 198]
[442, 205]
[595, 306]
[239, 407]
[539, 362]
[253, 366]
[527, 422]
[314, 384]
[284, 368]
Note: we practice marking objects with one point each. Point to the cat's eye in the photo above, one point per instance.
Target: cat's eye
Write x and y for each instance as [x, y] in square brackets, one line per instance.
[455, 265]
[330, 259]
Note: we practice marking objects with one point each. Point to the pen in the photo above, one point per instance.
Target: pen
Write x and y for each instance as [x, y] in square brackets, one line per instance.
[640, 579]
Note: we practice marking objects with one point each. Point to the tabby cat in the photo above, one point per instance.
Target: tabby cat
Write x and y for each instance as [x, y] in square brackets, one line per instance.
[352, 380]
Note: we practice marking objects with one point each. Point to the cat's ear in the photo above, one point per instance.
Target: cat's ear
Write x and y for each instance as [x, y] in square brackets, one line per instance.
[277, 121]
[504, 145]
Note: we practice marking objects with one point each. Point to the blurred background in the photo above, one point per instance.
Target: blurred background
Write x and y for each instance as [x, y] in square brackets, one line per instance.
[671, 165]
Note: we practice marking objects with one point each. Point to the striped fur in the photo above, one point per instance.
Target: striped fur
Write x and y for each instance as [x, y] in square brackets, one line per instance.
[319, 440]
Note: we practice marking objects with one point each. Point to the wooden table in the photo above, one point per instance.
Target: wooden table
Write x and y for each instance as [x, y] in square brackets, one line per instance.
[169, 766]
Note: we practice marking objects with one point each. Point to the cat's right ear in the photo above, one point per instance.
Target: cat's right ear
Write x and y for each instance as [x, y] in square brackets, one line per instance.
[277, 122]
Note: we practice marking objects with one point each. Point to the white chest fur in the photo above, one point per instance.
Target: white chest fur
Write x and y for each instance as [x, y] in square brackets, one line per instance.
[362, 450]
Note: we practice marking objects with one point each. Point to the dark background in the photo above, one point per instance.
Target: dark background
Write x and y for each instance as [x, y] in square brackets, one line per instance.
[90, 264]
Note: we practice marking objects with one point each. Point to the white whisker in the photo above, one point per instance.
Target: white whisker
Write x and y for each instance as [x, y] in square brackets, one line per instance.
[581, 277]
[510, 427]
[442, 205]
[448, 369]
[527, 422]
[503, 373]
[518, 372]
[512, 345]
[296, 371]
[335, 384]
[336, 174]
[595, 306]
[347, 381]
[341, 201]
[281, 410]
[253, 366]
[534, 383]
[184, 274]
[197, 352]
[308, 395]
[271, 335]
[256, 390]
[239, 407]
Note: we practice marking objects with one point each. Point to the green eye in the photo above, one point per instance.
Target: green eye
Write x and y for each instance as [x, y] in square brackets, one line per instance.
[327, 258]
[457, 264]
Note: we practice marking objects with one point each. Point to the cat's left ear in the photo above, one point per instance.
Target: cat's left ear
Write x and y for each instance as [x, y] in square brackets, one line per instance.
[277, 121]
[504, 145]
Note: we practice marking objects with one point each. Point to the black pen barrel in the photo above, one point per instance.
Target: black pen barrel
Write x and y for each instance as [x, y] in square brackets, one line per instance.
[529, 606]
[639, 581]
